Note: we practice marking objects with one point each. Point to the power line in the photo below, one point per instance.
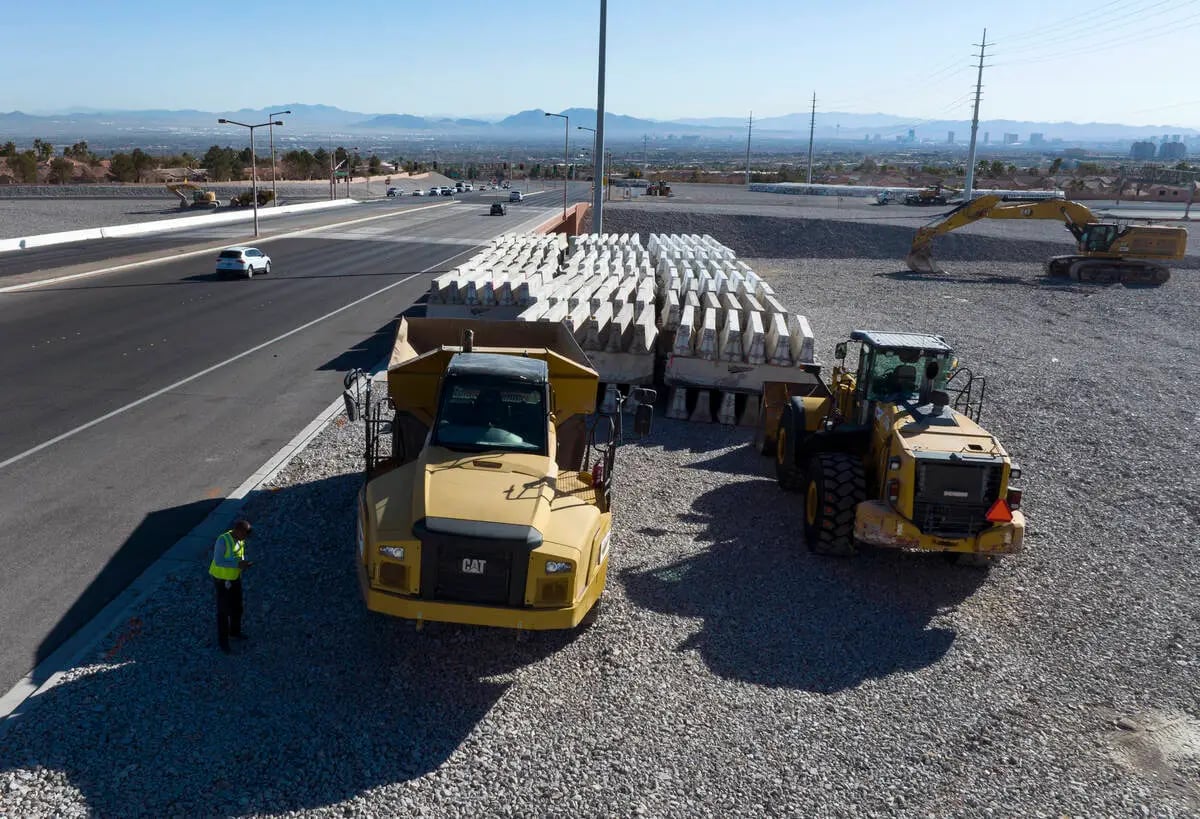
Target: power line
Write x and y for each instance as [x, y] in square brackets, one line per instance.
[1103, 27]
[1150, 34]
[1042, 29]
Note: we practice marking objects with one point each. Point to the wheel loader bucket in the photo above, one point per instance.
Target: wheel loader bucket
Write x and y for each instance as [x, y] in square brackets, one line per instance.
[920, 261]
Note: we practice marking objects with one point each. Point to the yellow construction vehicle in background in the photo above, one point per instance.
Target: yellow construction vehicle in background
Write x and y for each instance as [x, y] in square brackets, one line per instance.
[200, 197]
[931, 195]
[494, 505]
[1106, 252]
[246, 198]
[884, 457]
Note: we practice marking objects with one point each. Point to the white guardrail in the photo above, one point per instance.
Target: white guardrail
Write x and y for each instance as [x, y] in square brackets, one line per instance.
[163, 225]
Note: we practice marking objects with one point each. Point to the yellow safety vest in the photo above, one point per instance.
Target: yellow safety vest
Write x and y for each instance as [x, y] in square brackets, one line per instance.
[234, 549]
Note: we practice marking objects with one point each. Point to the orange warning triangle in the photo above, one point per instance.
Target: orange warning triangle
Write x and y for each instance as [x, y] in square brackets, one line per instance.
[999, 513]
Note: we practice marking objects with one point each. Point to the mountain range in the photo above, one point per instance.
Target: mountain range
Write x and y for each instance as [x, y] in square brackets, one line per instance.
[80, 123]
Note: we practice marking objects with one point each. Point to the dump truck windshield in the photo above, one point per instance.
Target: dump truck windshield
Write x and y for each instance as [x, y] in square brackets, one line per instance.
[896, 375]
[479, 414]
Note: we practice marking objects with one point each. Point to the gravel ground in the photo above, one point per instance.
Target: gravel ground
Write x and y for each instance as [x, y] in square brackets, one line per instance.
[730, 672]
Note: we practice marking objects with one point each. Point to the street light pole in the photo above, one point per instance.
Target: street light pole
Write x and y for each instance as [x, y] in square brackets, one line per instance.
[598, 141]
[566, 154]
[253, 166]
[271, 135]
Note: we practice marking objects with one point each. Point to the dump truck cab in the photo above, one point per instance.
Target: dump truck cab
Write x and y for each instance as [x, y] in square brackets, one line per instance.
[494, 505]
[885, 456]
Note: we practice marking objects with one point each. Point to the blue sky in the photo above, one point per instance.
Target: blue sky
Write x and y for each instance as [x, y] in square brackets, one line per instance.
[1108, 60]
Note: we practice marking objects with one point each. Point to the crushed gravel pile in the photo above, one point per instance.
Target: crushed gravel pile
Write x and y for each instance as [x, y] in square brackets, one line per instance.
[730, 672]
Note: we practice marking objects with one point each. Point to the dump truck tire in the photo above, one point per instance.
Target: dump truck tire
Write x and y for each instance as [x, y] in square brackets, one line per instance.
[836, 485]
[787, 436]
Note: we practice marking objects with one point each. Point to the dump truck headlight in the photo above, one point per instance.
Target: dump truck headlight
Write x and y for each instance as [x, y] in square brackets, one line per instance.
[1014, 472]
[557, 567]
[394, 552]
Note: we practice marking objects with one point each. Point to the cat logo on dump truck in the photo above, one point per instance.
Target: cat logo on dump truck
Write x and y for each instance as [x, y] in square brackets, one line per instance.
[473, 566]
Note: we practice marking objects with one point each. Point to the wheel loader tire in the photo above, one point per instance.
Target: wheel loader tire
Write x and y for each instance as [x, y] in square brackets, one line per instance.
[787, 435]
[836, 485]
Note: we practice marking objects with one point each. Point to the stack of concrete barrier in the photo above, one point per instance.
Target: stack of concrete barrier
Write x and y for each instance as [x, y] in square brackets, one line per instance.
[606, 294]
[728, 332]
[513, 272]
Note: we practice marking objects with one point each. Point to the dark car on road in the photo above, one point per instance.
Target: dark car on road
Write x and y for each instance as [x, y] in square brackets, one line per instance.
[498, 209]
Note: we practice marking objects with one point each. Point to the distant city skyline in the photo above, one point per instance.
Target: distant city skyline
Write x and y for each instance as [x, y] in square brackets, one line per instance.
[1118, 61]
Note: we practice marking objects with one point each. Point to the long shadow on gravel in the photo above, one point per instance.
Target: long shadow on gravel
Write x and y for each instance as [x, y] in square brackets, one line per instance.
[775, 615]
[324, 701]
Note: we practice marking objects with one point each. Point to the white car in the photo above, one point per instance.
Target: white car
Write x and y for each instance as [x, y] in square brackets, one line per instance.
[434, 191]
[418, 192]
[242, 261]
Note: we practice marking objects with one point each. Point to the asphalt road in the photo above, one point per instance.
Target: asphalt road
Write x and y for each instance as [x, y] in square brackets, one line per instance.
[89, 501]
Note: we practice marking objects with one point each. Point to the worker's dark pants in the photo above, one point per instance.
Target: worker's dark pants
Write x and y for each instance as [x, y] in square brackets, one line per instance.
[229, 610]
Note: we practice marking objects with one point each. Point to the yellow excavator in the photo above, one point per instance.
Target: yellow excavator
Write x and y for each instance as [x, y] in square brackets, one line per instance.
[1106, 252]
[200, 198]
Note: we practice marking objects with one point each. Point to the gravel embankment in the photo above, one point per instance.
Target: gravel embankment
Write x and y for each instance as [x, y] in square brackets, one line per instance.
[730, 673]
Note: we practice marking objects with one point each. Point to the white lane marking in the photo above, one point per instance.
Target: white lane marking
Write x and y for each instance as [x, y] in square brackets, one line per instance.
[133, 404]
[261, 241]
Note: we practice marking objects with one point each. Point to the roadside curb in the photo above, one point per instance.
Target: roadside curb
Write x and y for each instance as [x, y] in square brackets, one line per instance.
[183, 555]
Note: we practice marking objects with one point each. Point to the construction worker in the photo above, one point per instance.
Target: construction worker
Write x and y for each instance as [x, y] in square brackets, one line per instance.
[228, 560]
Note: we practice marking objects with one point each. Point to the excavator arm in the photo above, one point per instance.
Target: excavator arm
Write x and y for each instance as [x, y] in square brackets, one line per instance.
[1073, 214]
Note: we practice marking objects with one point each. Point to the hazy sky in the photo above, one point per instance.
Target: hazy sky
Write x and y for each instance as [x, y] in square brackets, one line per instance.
[1130, 61]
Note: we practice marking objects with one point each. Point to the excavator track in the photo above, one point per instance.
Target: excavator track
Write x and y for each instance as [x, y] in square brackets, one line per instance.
[1118, 271]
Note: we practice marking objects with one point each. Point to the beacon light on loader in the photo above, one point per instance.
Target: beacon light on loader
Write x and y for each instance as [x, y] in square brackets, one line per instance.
[394, 552]
[557, 567]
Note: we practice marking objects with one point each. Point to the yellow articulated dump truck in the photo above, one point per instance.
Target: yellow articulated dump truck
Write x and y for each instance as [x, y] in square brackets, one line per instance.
[494, 505]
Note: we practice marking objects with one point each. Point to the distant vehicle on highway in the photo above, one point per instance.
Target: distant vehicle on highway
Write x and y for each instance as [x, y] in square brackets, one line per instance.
[447, 191]
[435, 190]
[468, 187]
[242, 261]
[418, 192]
[498, 209]
[505, 185]
[515, 196]
[393, 192]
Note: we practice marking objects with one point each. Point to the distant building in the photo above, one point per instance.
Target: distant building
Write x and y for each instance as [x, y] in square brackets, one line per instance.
[1012, 139]
[1142, 150]
[987, 137]
[1172, 150]
[1037, 139]
[912, 135]
[949, 137]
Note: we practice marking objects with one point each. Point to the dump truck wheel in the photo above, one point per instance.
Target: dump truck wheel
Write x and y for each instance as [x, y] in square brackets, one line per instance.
[787, 473]
[836, 484]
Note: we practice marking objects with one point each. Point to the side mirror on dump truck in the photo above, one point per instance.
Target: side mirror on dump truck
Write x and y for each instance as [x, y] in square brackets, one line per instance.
[643, 419]
[839, 352]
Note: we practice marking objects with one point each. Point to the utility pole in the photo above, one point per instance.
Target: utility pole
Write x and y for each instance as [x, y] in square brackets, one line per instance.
[812, 125]
[970, 182]
[598, 136]
[749, 131]
[645, 161]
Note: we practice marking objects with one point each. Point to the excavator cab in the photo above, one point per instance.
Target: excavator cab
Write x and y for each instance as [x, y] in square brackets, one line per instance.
[1098, 238]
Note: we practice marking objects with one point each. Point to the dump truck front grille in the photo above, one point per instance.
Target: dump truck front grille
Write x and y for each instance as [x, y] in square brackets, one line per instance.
[475, 562]
[952, 499]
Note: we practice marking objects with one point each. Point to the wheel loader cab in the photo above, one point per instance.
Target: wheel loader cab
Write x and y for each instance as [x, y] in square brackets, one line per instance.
[891, 367]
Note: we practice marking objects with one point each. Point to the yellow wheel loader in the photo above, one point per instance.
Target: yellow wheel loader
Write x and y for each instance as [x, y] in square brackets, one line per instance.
[494, 505]
[885, 456]
[200, 198]
[1106, 253]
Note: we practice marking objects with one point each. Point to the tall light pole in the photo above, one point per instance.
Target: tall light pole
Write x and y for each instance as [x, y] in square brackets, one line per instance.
[749, 131]
[271, 136]
[566, 154]
[598, 140]
[253, 166]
